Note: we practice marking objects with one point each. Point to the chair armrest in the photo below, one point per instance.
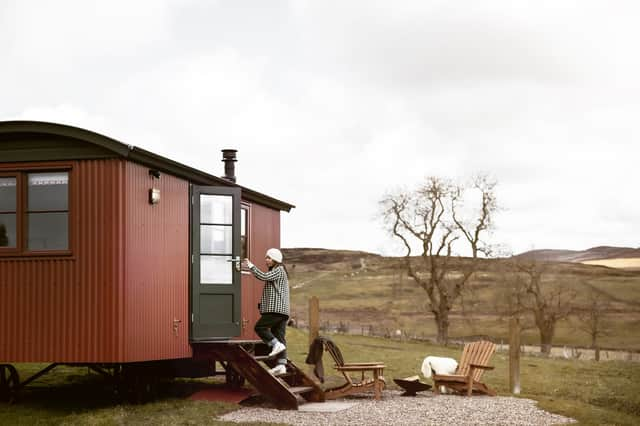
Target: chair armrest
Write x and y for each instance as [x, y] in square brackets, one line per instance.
[447, 376]
[363, 364]
[360, 367]
[484, 367]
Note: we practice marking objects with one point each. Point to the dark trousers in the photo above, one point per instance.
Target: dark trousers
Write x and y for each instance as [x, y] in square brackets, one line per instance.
[273, 325]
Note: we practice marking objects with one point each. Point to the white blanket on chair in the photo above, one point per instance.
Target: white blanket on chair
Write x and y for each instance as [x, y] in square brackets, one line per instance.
[438, 365]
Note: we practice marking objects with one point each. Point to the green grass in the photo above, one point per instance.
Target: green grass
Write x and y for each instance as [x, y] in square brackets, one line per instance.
[75, 396]
[592, 393]
[374, 297]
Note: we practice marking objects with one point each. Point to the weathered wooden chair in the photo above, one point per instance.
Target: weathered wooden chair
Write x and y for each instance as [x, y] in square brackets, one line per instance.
[363, 384]
[473, 363]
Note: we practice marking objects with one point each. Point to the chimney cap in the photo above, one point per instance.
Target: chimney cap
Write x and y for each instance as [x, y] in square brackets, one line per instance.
[229, 154]
[228, 158]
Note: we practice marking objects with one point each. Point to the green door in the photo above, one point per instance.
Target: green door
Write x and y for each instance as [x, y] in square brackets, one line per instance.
[215, 262]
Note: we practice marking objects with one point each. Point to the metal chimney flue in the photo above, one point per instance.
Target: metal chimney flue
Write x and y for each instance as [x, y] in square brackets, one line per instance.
[229, 158]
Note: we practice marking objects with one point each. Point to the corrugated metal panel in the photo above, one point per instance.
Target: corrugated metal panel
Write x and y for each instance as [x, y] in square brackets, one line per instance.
[115, 298]
[264, 233]
[156, 287]
[65, 309]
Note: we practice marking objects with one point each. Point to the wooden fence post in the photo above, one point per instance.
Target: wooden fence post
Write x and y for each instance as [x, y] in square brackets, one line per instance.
[514, 355]
[314, 318]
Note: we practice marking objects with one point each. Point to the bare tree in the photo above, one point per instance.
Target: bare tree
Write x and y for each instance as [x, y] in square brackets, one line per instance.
[591, 319]
[473, 226]
[508, 302]
[430, 220]
[548, 301]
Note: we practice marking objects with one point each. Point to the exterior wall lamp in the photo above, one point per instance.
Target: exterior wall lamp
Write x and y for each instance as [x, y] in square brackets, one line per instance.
[154, 193]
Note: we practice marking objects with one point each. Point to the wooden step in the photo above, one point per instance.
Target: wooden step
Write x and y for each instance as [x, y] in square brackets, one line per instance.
[261, 357]
[300, 389]
[284, 394]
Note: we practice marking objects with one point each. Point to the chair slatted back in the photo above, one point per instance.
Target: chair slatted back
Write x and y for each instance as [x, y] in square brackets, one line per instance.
[334, 351]
[475, 353]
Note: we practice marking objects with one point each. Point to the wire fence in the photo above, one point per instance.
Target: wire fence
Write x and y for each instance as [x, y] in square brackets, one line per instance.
[567, 352]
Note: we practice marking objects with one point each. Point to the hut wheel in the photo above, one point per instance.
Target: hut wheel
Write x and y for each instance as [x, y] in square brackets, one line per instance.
[9, 381]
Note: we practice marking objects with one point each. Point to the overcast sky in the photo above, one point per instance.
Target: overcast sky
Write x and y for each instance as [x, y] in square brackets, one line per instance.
[333, 103]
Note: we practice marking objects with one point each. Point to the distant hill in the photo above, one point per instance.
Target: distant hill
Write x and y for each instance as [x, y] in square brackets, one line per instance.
[594, 253]
[320, 259]
[320, 255]
[326, 259]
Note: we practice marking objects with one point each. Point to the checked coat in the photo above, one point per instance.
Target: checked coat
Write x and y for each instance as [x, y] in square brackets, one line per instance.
[275, 295]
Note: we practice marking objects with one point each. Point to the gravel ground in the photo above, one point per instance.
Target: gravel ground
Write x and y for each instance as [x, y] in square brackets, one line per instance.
[424, 409]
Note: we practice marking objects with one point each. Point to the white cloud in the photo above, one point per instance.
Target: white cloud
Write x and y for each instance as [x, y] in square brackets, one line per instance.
[331, 103]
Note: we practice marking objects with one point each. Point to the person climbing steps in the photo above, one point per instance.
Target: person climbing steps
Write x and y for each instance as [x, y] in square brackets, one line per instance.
[273, 307]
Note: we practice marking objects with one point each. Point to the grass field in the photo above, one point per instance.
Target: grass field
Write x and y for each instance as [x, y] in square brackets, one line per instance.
[76, 396]
[623, 263]
[379, 294]
[593, 393]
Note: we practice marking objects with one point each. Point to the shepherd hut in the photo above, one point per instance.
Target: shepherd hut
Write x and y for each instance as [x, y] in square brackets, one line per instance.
[128, 262]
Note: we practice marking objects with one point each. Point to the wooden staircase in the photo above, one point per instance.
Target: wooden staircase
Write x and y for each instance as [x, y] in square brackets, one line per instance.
[282, 391]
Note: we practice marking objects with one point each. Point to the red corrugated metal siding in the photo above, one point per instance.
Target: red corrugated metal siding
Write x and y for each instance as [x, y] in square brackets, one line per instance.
[67, 309]
[264, 233]
[115, 298]
[156, 285]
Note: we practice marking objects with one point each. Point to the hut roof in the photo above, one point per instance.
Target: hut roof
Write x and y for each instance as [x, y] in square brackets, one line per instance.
[85, 144]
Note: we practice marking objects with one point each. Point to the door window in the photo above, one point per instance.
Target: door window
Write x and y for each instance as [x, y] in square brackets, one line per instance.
[216, 239]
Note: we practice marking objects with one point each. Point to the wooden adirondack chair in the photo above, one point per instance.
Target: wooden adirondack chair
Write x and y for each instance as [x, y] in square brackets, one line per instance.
[475, 357]
[375, 383]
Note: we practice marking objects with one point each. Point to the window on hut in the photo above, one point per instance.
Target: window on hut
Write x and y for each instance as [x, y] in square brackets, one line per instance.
[244, 242]
[48, 211]
[8, 211]
[34, 212]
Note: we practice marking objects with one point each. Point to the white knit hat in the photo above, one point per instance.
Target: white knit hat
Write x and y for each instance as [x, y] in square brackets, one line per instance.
[275, 254]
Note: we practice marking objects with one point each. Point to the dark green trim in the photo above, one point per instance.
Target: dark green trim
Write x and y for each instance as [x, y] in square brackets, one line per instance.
[54, 129]
[39, 147]
[22, 141]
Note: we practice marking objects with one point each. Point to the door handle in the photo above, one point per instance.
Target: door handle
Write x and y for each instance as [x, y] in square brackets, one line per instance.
[236, 260]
